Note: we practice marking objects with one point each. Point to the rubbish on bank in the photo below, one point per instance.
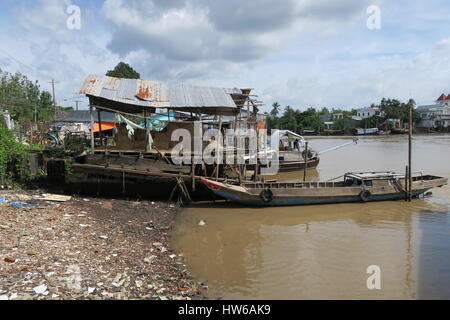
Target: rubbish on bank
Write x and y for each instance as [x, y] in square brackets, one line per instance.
[40, 289]
[56, 198]
[10, 260]
[22, 205]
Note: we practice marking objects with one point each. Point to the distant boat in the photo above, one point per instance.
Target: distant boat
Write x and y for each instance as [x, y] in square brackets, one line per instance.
[354, 187]
[399, 131]
[292, 152]
[293, 165]
[309, 133]
[328, 132]
[366, 132]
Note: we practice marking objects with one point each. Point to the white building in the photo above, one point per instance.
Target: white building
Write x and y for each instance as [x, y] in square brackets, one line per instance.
[434, 116]
[365, 113]
[443, 100]
[7, 121]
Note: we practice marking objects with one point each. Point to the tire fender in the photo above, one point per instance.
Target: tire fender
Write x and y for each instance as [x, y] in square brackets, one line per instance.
[266, 195]
[365, 196]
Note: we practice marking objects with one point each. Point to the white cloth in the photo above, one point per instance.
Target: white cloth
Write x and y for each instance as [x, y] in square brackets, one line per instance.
[131, 126]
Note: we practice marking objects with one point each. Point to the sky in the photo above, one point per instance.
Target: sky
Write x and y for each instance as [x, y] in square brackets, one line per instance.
[302, 53]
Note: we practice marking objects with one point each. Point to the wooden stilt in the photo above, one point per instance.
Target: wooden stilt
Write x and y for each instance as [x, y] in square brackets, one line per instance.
[410, 151]
[92, 129]
[306, 161]
[406, 184]
[100, 126]
[219, 143]
[193, 171]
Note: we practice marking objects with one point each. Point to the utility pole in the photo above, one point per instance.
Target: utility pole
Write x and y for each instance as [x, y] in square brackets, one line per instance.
[76, 103]
[54, 96]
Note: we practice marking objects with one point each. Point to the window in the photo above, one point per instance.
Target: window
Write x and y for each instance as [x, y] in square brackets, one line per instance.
[368, 183]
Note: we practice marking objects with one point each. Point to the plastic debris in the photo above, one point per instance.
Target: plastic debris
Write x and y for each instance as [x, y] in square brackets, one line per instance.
[149, 259]
[40, 289]
[10, 259]
[202, 223]
[131, 251]
[22, 205]
[56, 198]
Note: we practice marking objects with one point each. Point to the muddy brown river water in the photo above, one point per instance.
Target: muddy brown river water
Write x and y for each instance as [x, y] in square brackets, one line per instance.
[323, 251]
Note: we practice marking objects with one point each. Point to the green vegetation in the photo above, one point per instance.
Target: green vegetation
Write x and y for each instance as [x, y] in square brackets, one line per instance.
[23, 99]
[299, 121]
[392, 109]
[123, 70]
[13, 158]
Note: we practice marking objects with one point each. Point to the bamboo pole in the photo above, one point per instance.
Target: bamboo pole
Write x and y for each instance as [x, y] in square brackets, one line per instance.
[410, 151]
[406, 184]
[100, 127]
[193, 171]
[147, 133]
[92, 129]
[218, 146]
[306, 161]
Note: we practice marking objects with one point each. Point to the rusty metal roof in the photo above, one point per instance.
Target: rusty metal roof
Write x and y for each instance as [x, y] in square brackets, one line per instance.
[141, 94]
[83, 116]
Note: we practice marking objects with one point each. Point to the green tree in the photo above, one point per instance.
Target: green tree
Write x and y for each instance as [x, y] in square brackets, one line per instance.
[13, 158]
[124, 70]
[343, 124]
[22, 98]
[394, 109]
[275, 109]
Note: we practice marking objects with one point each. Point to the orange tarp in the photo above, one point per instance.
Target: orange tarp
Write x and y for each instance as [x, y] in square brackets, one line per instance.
[105, 126]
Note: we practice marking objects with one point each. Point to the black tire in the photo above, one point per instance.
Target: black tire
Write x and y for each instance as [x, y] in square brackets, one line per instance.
[266, 195]
[365, 196]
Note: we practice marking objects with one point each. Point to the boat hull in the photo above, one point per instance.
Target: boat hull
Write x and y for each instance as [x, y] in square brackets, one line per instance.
[310, 193]
[280, 202]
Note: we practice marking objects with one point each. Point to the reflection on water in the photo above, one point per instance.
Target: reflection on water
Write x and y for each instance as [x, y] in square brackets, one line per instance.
[323, 251]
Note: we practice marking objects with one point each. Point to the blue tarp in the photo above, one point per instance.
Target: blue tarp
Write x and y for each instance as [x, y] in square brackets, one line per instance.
[159, 122]
[22, 205]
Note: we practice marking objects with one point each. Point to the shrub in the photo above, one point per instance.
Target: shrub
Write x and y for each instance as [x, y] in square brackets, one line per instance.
[13, 158]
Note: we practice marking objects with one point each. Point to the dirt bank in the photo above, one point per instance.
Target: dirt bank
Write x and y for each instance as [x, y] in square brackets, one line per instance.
[90, 248]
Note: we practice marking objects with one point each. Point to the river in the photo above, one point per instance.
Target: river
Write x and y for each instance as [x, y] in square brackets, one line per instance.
[323, 251]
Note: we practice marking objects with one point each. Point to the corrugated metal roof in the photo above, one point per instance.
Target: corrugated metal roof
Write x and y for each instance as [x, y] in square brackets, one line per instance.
[146, 93]
[428, 107]
[83, 116]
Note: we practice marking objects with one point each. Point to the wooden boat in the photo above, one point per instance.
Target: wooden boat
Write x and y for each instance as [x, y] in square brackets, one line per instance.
[354, 187]
[399, 131]
[290, 166]
[366, 132]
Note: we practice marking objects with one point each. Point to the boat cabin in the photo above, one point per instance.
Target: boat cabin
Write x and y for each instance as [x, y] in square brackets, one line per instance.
[372, 179]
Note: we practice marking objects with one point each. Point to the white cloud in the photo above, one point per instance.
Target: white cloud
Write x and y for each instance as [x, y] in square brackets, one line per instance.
[217, 34]
[422, 77]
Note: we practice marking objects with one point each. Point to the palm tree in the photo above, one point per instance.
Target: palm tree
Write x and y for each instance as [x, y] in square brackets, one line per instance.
[275, 109]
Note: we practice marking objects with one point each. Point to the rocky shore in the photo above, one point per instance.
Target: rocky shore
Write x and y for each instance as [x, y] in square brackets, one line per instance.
[89, 248]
